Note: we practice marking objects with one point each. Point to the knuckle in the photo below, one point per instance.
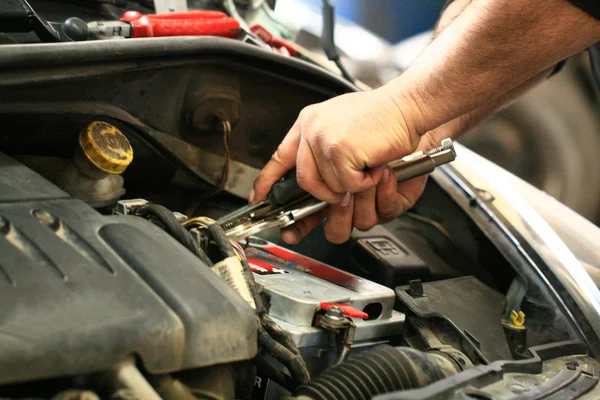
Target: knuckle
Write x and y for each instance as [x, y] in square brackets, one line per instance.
[407, 203]
[306, 115]
[354, 185]
[390, 211]
[304, 181]
[336, 238]
[365, 222]
[303, 228]
[388, 216]
[338, 148]
[278, 157]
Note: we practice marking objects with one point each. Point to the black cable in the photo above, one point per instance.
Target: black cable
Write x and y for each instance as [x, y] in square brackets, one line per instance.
[280, 335]
[328, 39]
[272, 371]
[222, 241]
[275, 340]
[345, 73]
[293, 363]
[172, 226]
[265, 319]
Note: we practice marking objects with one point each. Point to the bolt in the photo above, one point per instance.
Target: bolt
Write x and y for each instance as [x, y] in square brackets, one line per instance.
[335, 313]
[415, 288]
[572, 365]
[44, 217]
[485, 195]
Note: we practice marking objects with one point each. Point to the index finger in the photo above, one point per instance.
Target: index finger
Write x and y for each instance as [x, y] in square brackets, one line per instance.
[283, 160]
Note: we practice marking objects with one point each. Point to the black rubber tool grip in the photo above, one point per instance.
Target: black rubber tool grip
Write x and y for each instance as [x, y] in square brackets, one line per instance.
[286, 190]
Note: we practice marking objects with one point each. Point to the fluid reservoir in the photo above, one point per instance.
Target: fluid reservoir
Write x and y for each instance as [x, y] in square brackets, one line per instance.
[102, 155]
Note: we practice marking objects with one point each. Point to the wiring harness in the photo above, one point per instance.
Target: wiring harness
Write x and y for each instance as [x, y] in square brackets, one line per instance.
[227, 258]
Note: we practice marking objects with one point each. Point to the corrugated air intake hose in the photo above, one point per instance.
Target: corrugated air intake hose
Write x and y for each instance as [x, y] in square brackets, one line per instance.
[383, 369]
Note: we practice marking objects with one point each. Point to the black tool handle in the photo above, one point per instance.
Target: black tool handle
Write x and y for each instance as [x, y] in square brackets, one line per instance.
[286, 190]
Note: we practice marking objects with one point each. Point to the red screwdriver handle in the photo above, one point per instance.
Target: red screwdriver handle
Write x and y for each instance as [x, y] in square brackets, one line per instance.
[129, 16]
[197, 14]
[181, 24]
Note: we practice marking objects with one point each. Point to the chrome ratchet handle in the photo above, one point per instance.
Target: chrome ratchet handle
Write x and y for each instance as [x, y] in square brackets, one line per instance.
[409, 167]
[251, 220]
[418, 164]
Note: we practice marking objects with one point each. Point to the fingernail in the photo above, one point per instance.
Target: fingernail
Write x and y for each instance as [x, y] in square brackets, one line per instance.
[346, 200]
[386, 175]
[251, 196]
[290, 235]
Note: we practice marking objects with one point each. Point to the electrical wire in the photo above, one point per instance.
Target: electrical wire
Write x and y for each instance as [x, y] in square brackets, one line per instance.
[225, 171]
[279, 334]
[328, 39]
[204, 223]
[293, 363]
[433, 223]
[171, 225]
[227, 164]
[272, 337]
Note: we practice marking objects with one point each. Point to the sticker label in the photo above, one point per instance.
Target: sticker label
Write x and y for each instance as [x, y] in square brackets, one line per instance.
[269, 260]
[261, 386]
[260, 267]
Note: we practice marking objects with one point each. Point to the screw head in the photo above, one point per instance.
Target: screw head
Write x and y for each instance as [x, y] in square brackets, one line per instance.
[335, 313]
[43, 216]
[485, 195]
[572, 365]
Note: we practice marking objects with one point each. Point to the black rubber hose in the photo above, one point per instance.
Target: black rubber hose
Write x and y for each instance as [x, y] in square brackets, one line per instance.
[172, 226]
[383, 369]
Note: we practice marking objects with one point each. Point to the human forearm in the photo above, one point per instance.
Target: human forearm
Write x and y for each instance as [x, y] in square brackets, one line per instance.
[491, 48]
[465, 122]
[456, 127]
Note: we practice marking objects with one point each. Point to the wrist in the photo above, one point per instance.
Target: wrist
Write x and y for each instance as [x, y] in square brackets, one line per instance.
[408, 106]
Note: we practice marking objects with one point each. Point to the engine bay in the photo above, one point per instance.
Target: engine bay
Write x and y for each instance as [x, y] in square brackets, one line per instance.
[116, 283]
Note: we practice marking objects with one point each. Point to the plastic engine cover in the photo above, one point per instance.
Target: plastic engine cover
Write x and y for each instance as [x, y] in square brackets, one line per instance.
[81, 291]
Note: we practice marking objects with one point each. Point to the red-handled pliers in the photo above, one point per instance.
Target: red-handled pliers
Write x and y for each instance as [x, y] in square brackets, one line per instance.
[191, 23]
[137, 25]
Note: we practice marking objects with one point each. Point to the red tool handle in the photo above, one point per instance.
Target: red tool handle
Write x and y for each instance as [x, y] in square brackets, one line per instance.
[129, 16]
[198, 14]
[181, 24]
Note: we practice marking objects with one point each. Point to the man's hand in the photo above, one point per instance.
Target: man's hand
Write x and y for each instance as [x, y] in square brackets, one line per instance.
[490, 53]
[369, 208]
[340, 147]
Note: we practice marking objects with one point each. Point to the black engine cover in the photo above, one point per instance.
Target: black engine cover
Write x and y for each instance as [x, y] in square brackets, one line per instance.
[80, 291]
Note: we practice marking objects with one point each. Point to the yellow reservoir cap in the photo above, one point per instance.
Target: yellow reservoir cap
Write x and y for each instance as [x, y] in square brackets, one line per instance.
[106, 147]
[517, 318]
